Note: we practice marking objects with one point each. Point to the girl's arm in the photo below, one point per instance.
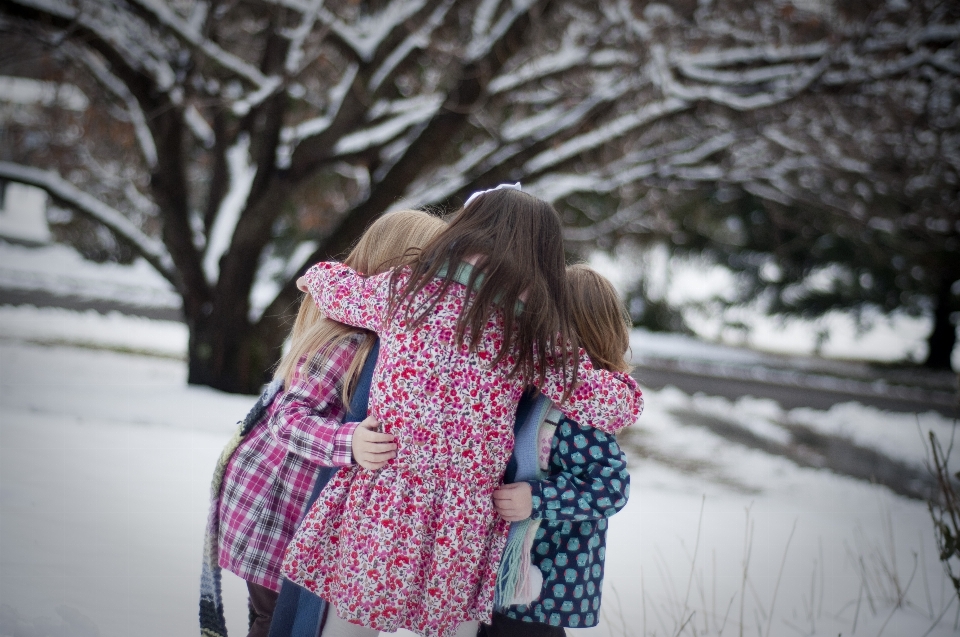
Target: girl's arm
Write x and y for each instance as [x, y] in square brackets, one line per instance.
[307, 416]
[344, 295]
[609, 401]
[589, 479]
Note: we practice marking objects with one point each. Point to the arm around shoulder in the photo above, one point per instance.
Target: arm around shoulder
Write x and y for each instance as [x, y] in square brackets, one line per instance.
[345, 295]
[307, 418]
[606, 400]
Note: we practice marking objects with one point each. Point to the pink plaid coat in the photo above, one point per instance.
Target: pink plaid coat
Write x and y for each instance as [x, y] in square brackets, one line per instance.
[417, 544]
[271, 474]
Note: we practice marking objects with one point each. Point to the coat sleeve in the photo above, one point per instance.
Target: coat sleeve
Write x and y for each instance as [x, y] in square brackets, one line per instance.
[609, 401]
[589, 479]
[345, 295]
[307, 417]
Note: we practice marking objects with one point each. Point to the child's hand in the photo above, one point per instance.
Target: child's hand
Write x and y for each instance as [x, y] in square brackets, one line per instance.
[514, 502]
[372, 449]
[302, 284]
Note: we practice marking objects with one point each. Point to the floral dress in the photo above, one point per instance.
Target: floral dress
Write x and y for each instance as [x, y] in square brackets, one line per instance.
[417, 544]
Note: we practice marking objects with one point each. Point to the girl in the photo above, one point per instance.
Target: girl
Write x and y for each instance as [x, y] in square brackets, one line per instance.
[579, 478]
[476, 317]
[269, 476]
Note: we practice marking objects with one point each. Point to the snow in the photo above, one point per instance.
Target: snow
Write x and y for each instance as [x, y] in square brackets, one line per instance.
[419, 39]
[419, 110]
[484, 39]
[90, 329]
[104, 461]
[567, 57]
[106, 457]
[183, 30]
[199, 126]
[23, 213]
[603, 134]
[242, 173]
[23, 90]
[366, 33]
[273, 271]
[61, 270]
[118, 88]
[290, 136]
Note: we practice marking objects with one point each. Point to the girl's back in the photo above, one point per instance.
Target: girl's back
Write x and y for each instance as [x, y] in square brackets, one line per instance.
[416, 544]
[422, 529]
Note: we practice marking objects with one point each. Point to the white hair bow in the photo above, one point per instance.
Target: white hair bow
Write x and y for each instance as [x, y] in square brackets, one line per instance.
[515, 186]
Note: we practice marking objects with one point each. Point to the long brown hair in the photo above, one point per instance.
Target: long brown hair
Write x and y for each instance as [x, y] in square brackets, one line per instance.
[394, 239]
[600, 318]
[517, 239]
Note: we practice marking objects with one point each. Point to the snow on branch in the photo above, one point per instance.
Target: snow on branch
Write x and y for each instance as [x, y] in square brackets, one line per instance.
[419, 39]
[637, 27]
[444, 182]
[417, 111]
[780, 91]
[242, 173]
[113, 84]
[481, 43]
[292, 135]
[627, 218]
[566, 58]
[227, 60]
[200, 128]
[605, 133]
[128, 37]
[752, 55]
[946, 61]
[862, 70]
[299, 35]
[551, 122]
[150, 249]
[737, 78]
[701, 152]
[367, 33]
[912, 38]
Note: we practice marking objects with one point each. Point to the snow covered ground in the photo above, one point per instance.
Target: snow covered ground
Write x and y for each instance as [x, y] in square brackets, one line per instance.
[106, 455]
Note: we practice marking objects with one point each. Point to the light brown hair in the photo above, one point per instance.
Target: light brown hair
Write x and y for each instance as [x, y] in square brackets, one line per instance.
[518, 240]
[600, 318]
[394, 239]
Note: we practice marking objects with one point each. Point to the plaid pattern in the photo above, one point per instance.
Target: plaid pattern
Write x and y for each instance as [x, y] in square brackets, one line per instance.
[271, 474]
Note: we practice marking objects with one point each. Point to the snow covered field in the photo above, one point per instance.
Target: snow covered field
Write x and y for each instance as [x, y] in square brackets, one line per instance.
[106, 455]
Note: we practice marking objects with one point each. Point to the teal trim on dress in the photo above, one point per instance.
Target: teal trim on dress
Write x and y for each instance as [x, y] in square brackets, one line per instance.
[462, 276]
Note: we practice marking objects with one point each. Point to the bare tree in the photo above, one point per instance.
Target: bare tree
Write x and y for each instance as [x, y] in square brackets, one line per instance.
[262, 135]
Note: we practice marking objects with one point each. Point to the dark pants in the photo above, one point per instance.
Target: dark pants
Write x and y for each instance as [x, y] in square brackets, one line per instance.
[503, 626]
[262, 602]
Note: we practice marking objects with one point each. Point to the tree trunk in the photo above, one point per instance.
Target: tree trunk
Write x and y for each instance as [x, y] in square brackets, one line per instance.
[233, 355]
[943, 337]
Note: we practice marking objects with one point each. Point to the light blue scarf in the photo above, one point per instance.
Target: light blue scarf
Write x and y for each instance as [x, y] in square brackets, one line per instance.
[519, 580]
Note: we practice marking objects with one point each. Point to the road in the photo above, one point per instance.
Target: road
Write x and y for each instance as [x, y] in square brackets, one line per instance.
[790, 396]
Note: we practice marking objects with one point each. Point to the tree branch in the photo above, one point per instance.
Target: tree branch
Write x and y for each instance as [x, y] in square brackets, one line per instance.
[116, 86]
[62, 190]
[183, 31]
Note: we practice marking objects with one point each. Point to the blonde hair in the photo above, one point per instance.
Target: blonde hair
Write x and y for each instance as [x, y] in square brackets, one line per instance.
[600, 318]
[394, 239]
